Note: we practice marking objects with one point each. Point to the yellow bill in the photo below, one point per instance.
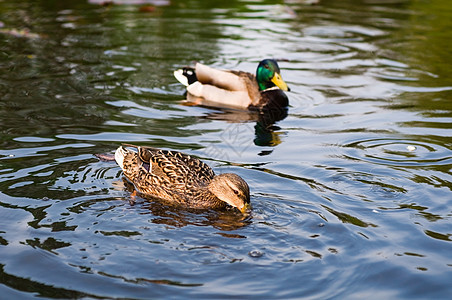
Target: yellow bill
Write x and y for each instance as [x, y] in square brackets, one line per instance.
[277, 79]
[246, 208]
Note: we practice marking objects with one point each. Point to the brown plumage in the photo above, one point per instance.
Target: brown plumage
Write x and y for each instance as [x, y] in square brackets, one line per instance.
[179, 178]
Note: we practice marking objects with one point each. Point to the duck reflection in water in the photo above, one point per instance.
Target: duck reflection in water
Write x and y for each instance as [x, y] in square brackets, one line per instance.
[265, 131]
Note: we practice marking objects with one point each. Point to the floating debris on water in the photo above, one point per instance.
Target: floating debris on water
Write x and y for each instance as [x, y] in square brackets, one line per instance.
[410, 148]
[256, 253]
[105, 156]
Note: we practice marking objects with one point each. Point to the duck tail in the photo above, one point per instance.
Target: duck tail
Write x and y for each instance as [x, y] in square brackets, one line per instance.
[119, 156]
[186, 76]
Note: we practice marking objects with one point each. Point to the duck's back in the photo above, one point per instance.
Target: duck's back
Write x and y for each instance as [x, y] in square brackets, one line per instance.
[176, 167]
[169, 175]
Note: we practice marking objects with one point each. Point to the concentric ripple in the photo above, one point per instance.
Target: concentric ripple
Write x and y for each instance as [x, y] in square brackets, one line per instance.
[398, 152]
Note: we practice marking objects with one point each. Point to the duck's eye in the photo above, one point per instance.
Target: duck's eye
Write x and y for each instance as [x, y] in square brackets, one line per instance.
[236, 192]
[266, 66]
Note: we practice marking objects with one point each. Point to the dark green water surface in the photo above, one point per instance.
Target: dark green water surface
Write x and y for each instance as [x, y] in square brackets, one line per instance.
[351, 192]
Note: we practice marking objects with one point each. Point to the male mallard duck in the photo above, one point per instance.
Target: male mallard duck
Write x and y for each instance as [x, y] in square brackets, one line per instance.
[236, 88]
[179, 178]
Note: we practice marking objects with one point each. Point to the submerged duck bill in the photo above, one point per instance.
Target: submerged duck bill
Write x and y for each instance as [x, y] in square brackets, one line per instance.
[279, 82]
[246, 208]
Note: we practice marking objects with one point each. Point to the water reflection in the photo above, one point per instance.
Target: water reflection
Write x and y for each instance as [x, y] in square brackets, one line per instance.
[48, 244]
[354, 200]
[346, 218]
[265, 130]
[27, 285]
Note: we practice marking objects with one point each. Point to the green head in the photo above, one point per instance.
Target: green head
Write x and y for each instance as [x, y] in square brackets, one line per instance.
[268, 75]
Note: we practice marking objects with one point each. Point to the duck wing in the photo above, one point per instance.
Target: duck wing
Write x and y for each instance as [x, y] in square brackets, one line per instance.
[230, 88]
[179, 169]
[223, 79]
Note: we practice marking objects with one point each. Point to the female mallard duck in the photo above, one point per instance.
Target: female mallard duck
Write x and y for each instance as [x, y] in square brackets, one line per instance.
[236, 88]
[180, 178]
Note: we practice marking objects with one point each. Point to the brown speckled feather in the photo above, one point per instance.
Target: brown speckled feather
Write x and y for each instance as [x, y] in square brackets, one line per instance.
[178, 177]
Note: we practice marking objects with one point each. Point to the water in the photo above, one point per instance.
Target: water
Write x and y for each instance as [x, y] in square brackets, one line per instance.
[351, 192]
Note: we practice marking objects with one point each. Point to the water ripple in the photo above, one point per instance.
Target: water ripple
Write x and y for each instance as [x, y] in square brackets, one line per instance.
[398, 152]
[350, 192]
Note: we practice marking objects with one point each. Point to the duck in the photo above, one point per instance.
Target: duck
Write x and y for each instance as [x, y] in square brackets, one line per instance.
[181, 179]
[236, 89]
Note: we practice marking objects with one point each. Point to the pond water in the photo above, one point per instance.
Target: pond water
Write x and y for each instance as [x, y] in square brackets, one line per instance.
[351, 192]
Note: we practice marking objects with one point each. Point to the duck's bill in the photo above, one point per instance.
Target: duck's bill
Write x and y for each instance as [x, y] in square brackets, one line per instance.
[277, 79]
[246, 209]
